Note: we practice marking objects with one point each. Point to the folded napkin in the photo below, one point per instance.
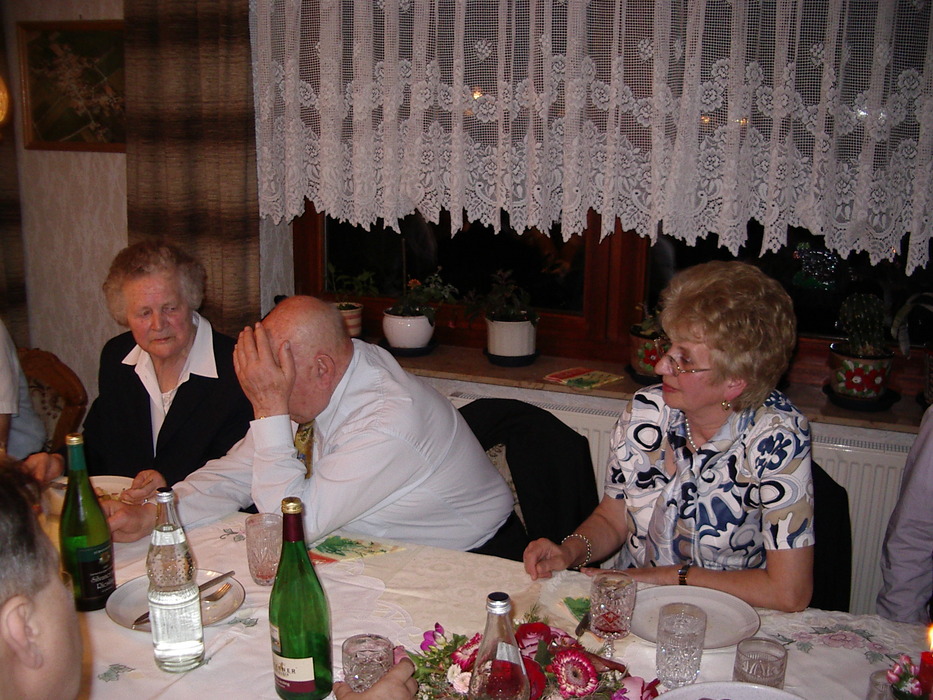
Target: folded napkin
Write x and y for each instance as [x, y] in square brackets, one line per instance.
[337, 548]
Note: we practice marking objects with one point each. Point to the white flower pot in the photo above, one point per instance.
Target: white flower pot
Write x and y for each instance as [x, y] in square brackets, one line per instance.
[407, 331]
[510, 338]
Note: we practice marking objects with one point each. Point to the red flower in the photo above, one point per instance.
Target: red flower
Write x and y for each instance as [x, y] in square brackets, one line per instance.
[576, 676]
[465, 656]
[530, 634]
[536, 678]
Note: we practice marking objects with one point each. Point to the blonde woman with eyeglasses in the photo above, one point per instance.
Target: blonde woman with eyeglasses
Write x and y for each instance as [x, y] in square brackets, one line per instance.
[709, 471]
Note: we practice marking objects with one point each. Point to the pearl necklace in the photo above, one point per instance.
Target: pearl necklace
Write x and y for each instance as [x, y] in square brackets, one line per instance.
[696, 449]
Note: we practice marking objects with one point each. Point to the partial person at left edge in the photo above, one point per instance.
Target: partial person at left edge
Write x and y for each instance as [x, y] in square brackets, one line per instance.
[169, 399]
[21, 429]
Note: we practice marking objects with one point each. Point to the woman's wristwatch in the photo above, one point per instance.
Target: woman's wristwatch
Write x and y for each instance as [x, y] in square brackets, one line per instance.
[682, 573]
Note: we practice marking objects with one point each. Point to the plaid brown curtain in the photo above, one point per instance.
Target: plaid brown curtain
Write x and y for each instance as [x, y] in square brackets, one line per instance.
[190, 152]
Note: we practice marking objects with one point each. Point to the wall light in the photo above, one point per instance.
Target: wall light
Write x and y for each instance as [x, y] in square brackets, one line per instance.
[5, 109]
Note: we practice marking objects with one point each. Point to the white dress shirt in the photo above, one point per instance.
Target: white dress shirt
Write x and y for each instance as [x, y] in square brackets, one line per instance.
[27, 432]
[392, 458]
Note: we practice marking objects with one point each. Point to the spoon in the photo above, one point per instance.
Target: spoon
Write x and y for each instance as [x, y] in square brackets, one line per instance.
[218, 594]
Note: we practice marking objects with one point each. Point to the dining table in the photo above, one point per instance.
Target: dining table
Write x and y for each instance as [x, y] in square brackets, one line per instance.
[400, 590]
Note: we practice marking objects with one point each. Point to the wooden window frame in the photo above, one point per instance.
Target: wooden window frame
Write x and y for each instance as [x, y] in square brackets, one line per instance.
[615, 288]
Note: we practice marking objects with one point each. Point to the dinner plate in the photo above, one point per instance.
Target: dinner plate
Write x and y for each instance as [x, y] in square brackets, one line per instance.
[129, 601]
[727, 690]
[113, 486]
[729, 620]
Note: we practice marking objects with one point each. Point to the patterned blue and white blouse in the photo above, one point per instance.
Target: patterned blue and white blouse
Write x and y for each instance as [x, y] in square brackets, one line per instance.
[748, 490]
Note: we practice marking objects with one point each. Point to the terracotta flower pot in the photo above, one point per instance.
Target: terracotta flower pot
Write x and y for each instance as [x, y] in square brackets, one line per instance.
[407, 331]
[856, 376]
[352, 317]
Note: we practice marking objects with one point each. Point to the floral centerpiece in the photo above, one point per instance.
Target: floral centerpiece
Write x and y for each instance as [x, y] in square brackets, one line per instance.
[904, 680]
[422, 298]
[558, 666]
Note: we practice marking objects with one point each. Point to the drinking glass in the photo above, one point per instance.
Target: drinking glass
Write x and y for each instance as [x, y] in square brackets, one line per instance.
[366, 658]
[612, 600]
[263, 546]
[759, 660]
[878, 686]
[681, 634]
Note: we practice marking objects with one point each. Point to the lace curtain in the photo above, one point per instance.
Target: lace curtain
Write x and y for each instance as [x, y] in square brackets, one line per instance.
[694, 115]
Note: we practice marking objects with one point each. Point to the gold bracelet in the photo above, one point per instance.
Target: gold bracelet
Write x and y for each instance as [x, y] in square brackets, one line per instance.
[589, 549]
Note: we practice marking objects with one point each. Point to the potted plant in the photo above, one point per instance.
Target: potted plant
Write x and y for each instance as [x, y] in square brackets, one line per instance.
[347, 288]
[643, 350]
[409, 322]
[510, 321]
[861, 363]
[918, 308]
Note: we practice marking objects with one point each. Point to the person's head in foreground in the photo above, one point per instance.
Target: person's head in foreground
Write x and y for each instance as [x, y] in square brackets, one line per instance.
[40, 644]
[154, 288]
[730, 322]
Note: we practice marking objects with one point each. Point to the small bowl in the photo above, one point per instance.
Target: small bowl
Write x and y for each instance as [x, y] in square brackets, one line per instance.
[54, 496]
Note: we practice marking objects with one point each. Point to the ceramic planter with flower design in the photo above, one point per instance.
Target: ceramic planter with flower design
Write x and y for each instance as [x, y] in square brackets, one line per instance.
[859, 377]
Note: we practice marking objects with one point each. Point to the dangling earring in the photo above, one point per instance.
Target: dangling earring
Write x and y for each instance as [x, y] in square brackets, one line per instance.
[726, 405]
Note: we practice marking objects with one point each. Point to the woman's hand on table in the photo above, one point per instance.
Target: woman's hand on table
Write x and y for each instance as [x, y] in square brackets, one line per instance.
[397, 684]
[543, 557]
[129, 523]
[44, 466]
[145, 484]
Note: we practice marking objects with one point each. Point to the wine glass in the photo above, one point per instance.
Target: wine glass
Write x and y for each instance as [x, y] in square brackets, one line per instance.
[612, 600]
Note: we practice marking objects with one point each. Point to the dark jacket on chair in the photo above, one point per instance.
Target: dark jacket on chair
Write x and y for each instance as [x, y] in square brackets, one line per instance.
[206, 418]
[549, 462]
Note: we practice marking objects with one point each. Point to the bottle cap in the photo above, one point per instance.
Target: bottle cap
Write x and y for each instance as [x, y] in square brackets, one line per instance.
[498, 603]
[291, 505]
[165, 494]
[74, 439]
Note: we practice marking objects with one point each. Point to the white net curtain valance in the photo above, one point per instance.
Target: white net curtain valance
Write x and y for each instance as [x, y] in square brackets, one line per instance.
[700, 114]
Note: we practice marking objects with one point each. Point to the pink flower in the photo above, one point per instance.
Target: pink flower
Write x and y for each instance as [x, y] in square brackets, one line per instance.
[576, 676]
[529, 634]
[913, 687]
[843, 638]
[459, 679]
[465, 656]
[431, 637]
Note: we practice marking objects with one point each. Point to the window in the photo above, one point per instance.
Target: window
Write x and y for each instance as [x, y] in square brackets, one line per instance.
[588, 291]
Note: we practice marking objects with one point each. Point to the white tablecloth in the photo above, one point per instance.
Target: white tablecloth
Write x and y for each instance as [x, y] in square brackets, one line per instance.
[403, 593]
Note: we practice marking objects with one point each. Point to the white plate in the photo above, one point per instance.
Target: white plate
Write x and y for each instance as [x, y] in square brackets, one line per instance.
[129, 601]
[111, 485]
[727, 690]
[729, 620]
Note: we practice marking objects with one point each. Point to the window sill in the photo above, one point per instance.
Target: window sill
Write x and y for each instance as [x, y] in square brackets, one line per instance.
[470, 365]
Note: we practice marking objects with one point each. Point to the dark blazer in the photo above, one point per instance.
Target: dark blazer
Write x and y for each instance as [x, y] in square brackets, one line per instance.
[206, 418]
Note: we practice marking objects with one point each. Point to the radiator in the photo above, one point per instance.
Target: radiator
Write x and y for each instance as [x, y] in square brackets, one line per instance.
[868, 463]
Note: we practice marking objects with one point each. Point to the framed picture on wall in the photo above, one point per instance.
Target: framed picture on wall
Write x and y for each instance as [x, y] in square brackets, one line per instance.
[73, 93]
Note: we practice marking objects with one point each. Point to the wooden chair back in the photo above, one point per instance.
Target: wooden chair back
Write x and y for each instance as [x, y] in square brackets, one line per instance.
[57, 394]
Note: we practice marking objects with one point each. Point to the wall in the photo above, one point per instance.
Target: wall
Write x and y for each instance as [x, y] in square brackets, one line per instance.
[73, 216]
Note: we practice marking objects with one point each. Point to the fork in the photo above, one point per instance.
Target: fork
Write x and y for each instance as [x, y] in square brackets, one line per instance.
[218, 594]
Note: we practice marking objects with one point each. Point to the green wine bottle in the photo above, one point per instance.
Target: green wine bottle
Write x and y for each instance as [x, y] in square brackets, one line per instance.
[84, 536]
[299, 620]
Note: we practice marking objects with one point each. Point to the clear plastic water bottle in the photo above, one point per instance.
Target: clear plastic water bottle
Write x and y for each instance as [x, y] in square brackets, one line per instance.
[499, 673]
[174, 599]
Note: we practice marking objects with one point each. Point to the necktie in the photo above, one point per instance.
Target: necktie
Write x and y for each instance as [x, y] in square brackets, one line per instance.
[304, 440]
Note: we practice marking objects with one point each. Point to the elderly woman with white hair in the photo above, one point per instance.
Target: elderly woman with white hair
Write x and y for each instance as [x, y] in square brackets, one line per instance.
[709, 473]
[169, 399]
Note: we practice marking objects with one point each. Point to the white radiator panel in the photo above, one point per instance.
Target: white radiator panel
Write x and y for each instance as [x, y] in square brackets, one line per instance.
[868, 463]
[595, 424]
[870, 470]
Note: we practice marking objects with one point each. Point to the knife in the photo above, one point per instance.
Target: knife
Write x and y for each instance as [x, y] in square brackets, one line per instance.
[584, 624]
[144, 618]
